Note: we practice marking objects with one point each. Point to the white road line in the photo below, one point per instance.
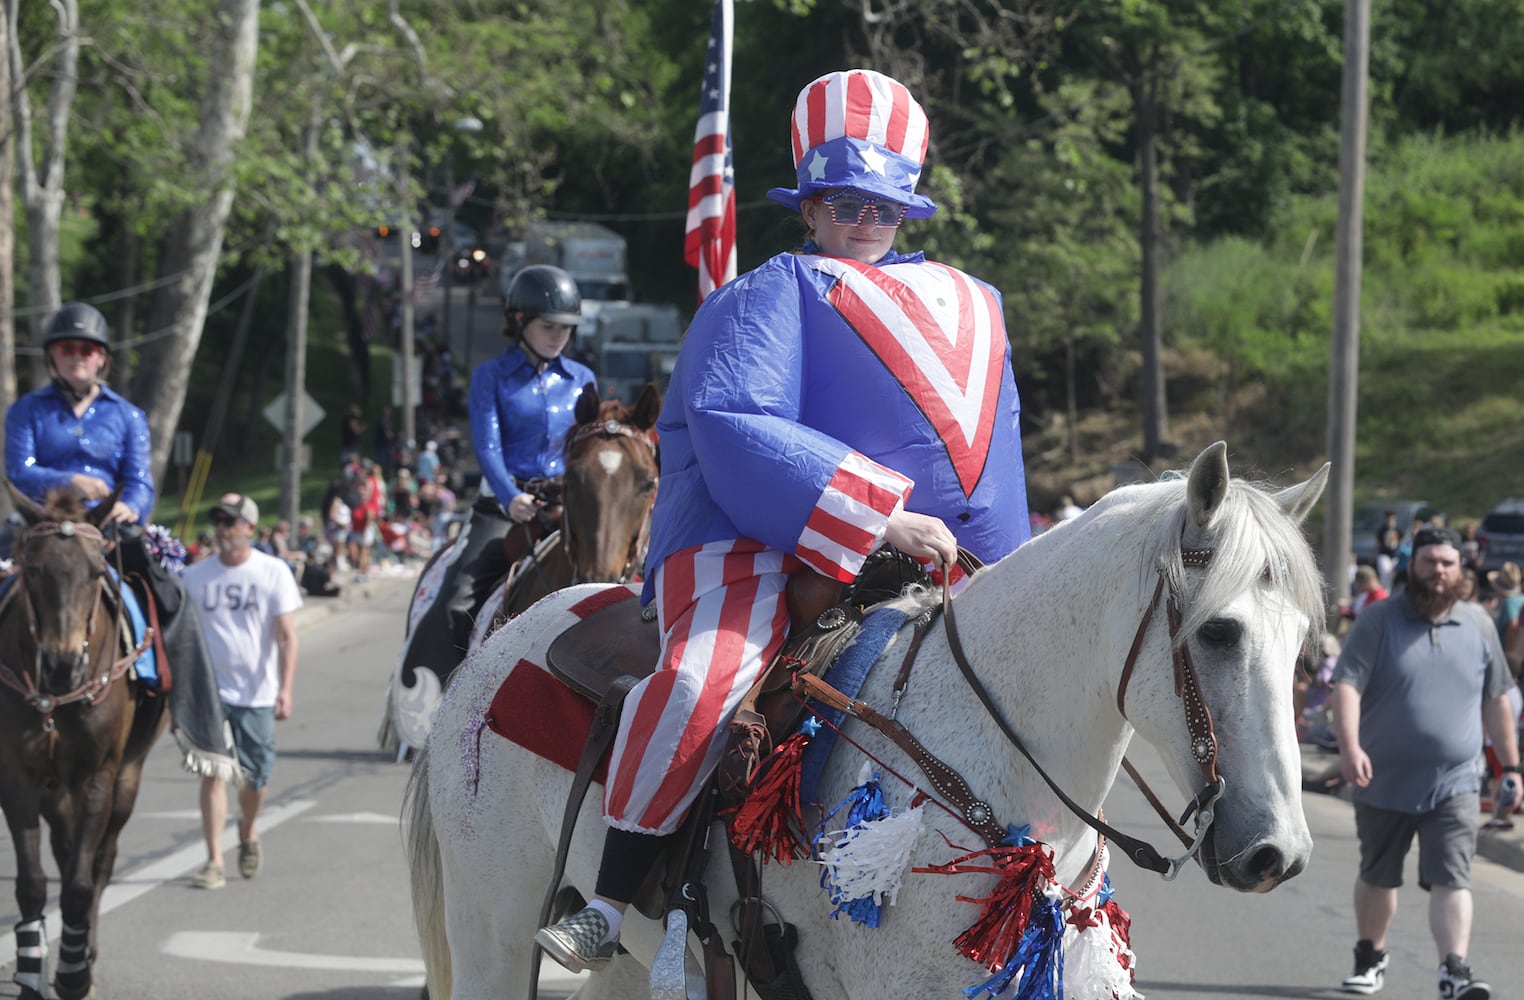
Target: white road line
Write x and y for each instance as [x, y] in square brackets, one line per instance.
[360, 817]
[126, 887]
[240, 948]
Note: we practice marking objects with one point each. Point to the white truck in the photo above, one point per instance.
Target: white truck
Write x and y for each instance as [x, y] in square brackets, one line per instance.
[593, 255]
[630, 344]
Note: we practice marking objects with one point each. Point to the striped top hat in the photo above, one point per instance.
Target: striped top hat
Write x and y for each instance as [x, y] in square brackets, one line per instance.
[858, 129]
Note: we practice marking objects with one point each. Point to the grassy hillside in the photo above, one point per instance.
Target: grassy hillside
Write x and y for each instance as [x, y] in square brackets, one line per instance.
[1441, 378]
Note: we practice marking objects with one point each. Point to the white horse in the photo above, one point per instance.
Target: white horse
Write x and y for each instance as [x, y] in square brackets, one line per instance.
[1048, 629]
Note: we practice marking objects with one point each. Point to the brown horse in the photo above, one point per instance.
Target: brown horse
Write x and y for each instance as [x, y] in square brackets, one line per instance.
[608, 490]
[606, 494]
[74, 731]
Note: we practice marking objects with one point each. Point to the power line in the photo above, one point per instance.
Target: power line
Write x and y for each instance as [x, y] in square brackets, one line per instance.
[162, 332]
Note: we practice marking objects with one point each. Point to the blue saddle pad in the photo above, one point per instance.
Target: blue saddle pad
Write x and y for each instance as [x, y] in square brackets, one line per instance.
[846, 675]
[146, 666]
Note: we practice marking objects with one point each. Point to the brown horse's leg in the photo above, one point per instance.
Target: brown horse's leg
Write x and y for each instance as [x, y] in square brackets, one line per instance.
[78, 829]
[23, 817]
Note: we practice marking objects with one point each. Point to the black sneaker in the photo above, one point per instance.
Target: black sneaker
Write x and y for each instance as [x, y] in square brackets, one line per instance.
[1455, 982]
[1370, 970]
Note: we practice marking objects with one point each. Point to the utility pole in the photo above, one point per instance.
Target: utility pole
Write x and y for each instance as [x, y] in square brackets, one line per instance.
[1344, 361]
[297, 298]
[409, 427]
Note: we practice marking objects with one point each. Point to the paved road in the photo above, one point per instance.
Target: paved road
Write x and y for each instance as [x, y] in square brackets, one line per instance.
[329, 917]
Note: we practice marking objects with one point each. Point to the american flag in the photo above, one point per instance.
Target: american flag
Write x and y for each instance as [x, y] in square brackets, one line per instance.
[710, 239]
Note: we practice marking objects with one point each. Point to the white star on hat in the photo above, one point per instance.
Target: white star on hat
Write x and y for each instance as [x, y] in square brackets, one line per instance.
[817, 166]
[875, 160]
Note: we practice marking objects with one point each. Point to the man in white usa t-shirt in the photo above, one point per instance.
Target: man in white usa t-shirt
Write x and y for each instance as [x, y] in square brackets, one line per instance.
[247, 600]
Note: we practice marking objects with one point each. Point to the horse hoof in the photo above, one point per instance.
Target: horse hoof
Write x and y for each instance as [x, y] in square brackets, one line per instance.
[64, 994]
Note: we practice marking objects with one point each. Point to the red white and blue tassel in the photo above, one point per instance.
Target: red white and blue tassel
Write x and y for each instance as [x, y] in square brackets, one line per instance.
[1097, 953]
[1036, 967]
[863, 864]
[1025, 870]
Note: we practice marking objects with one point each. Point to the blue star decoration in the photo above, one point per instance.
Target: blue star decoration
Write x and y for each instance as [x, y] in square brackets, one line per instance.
[1018, 836]
[1106, 892]
[810, 726]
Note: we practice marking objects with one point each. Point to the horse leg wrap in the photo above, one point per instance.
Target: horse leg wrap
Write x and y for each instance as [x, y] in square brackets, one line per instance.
[72, 977]
[31, 954]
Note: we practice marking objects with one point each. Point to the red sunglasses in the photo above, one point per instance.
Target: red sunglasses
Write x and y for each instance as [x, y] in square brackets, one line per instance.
[77, 348]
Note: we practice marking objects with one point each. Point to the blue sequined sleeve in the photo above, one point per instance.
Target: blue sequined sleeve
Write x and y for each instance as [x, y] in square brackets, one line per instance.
[21, 466]
[135, 468]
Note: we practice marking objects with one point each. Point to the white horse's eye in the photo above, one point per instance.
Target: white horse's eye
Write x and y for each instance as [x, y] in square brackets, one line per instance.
[1220, 632]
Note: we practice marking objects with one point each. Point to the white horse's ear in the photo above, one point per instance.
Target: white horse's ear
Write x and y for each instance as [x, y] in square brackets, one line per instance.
[1298, 500]
[1208, 483]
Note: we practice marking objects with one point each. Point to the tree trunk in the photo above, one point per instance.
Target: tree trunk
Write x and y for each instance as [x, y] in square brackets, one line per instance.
[1150, 332]
[7, 242]
[191, 252]
[42, 184]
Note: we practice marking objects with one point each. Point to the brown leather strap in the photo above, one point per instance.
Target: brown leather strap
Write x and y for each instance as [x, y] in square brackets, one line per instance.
[1139, 852]
[950, 784]
[902, 680]
[1153, 800]
[599, 735]
[1137, 646]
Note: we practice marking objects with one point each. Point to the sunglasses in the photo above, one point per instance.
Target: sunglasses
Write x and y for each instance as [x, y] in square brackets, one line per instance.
[77, 348]
[223, 520]
[848, 208]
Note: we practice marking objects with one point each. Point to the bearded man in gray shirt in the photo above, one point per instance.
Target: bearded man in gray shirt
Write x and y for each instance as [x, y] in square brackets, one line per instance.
[1421, 674]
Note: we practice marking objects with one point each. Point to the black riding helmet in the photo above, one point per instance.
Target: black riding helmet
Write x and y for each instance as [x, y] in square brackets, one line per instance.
[545, 292]
[77, 321]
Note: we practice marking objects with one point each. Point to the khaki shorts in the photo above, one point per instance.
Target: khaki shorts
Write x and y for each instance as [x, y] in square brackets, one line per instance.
[1446, 843]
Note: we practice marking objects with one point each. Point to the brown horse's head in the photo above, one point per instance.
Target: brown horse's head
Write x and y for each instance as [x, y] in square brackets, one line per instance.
[61, 555]
[610, 485]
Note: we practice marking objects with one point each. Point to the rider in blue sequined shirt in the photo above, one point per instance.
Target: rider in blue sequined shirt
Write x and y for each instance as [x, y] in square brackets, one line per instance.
[76, 431]
[523, 403]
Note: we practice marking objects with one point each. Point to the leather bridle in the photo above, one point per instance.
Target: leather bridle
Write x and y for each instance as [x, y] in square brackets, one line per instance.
[605, 429]
[978, 813]
[1198, 724]
[29, 685]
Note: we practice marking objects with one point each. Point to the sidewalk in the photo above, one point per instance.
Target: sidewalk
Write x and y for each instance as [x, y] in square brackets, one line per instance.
[1503, 847]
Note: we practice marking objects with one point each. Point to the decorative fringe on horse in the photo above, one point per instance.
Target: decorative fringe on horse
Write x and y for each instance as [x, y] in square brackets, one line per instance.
[864, 863]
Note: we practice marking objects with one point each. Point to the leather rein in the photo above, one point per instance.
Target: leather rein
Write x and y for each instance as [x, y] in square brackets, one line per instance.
[29, 685]
[980, 815]
[605, 429]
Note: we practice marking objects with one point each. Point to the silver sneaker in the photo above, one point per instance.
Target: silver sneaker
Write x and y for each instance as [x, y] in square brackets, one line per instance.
[579, 942]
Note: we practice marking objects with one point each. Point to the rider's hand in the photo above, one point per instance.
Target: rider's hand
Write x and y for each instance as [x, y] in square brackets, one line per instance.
[1355, 766]
[89, 487]
[121, 514]
[922, 536]
[522, 508]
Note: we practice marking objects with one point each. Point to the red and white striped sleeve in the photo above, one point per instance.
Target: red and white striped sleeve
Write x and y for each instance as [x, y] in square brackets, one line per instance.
[851, 516]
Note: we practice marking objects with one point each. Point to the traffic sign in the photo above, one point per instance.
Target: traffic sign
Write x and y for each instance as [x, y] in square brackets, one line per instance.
[312, 413]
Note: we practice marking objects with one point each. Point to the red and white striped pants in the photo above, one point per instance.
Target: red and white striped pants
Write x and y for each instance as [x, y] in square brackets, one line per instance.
[722, 615]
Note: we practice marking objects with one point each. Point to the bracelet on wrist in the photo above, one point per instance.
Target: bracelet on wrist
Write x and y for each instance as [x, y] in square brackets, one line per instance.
[1510, 769]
